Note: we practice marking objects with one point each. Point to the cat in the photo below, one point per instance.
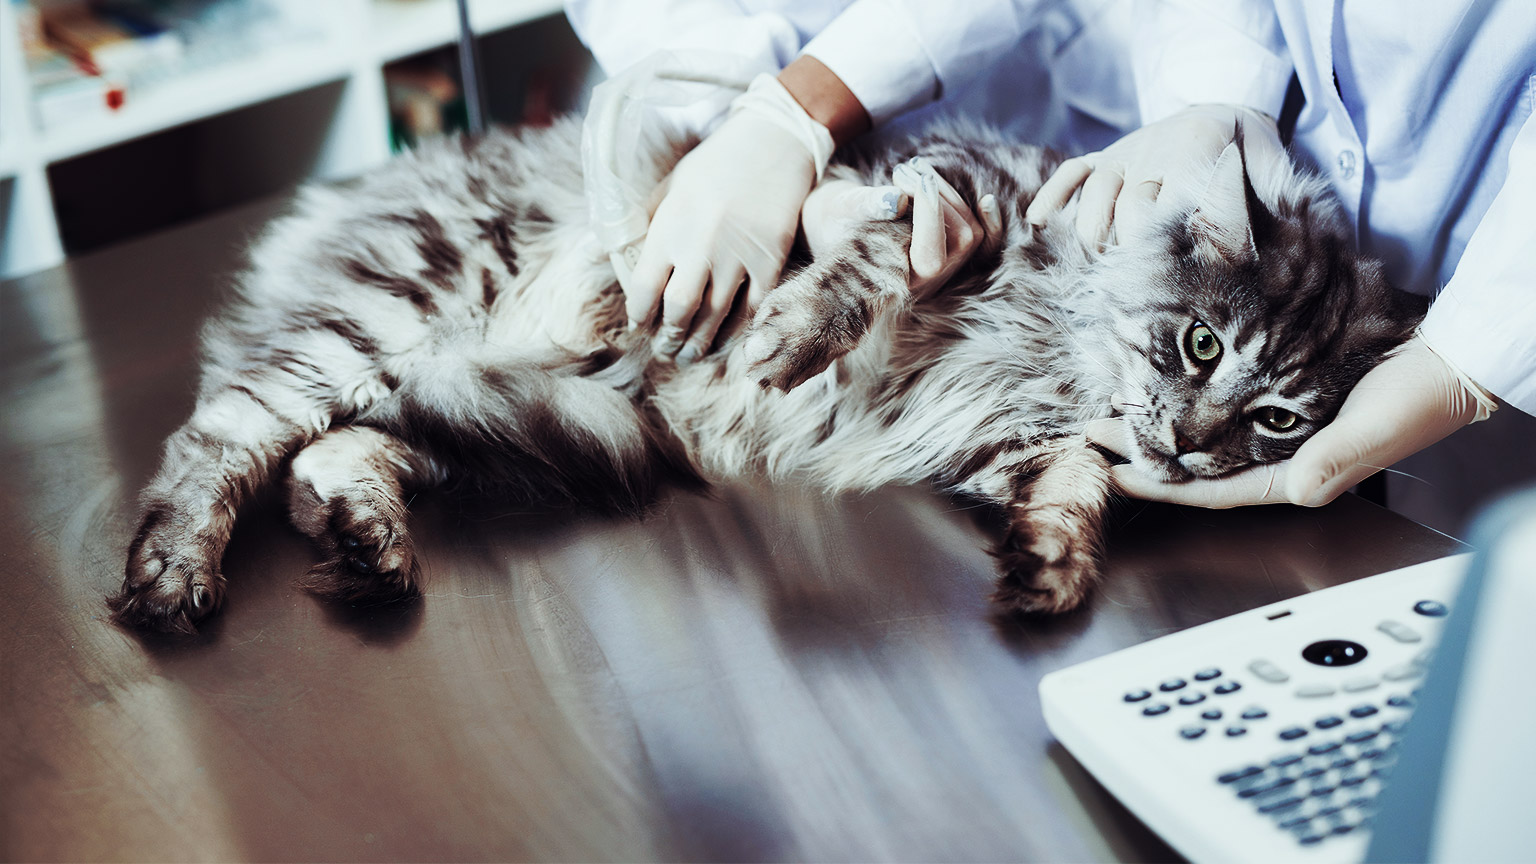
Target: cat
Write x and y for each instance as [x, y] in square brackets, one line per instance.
[451, 318]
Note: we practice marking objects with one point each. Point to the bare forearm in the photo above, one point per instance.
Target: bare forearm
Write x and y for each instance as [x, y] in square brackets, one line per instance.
[825, 98]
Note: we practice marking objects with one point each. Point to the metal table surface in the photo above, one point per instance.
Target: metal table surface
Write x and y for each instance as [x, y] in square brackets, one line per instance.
[759, 674]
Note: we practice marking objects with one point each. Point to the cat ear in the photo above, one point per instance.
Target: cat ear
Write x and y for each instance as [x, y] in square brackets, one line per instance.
[1221, 226]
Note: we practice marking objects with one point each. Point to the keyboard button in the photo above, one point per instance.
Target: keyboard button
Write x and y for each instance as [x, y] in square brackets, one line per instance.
[1353, 780]
[1285, 761]
[1208, 674]
[1324, 747]
[1236, 731]
[1254, 713]
[1155, 709]
[1295, 822]
[1399, 631]
[1362, 711]
[1334, 653]
[1226, 687]
[1268, 671]
[1211, 714]
[1399, 701]
[1138, 695]
[1356, 685]
[1372, 753]
[1310, 836]
[1328, 722]
[1361, 737]
[1342, 762]
[1403, 672]
[1289, 802]
[1292, 733]
[1314, 691]
[1314, 771]
[1171, 685]
[1431, 608]
[1194, 698]
[1192, 732]
[1239, 774]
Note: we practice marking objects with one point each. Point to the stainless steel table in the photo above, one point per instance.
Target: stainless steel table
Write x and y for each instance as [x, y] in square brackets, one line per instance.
[758, 674]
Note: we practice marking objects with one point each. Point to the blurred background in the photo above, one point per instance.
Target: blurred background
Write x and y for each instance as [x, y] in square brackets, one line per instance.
[122, 117]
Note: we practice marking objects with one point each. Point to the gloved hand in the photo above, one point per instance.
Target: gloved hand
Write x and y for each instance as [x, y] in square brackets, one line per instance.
[638, 124]
[1410, 401]
[728, 216]
[944, 230]
[1121, 183]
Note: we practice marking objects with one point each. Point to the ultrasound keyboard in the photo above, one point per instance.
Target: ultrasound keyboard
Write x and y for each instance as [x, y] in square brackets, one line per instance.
[1267, 735]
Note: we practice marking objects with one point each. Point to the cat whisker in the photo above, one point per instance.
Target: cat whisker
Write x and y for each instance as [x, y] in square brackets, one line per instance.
[1395, 471]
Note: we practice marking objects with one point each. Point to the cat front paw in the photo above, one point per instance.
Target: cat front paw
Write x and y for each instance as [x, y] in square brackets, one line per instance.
[800, 330]
[1045, 570]
[171, 580]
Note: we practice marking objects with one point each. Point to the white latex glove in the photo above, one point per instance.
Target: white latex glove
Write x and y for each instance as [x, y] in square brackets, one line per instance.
[728, 216]
[1410, 401]
[1122, 182]
[638, 124]
[944, 230]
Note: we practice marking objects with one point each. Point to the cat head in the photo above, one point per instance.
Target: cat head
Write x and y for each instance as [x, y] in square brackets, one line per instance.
[1256, 319]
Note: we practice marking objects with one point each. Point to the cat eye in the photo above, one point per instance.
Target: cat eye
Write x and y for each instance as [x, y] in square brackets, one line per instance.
[1202, 344]
[1278, 419]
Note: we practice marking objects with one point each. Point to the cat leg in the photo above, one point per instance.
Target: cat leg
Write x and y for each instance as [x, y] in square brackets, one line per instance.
[1056, 496]
[820, 313]
[346, 492]
[237, 435]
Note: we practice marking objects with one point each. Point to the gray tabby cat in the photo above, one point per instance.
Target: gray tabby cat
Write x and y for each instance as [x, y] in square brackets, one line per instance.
[453, 318]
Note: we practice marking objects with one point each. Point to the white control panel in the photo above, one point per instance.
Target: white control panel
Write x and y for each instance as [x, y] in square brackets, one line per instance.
[1265, 736]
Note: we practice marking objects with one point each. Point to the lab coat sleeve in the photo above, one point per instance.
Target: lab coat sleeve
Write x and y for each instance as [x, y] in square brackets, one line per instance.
[896, 55]
[620, 33]
[1485, 319]
[1188, 52]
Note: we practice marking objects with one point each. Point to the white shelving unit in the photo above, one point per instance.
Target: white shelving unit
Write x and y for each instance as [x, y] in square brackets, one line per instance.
[354, 39]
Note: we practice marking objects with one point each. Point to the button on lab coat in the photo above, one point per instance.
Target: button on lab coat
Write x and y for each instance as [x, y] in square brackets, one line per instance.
[1419, 113]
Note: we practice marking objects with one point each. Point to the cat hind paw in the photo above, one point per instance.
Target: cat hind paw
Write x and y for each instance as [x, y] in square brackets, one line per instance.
[170, 582]
[368, 559]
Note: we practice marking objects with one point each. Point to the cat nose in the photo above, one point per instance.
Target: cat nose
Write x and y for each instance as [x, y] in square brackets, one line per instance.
[1182, 444]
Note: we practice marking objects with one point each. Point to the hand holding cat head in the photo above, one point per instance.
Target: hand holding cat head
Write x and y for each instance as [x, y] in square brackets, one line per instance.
[1254, 319]
[1412, 400]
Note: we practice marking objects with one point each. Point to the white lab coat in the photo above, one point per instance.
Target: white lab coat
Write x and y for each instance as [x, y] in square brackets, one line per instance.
[1050, 71]
[1427, 138]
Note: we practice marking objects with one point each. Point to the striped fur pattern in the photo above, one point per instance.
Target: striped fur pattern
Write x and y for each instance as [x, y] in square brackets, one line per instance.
[451, 319]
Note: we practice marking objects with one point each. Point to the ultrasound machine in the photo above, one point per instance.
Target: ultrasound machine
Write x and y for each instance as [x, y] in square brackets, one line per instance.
[1386, 719]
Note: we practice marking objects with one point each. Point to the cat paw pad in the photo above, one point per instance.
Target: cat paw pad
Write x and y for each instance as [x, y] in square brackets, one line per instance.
[370, 560]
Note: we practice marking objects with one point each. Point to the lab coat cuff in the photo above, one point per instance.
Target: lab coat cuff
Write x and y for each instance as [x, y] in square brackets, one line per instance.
[1497, 358]
[874, 50]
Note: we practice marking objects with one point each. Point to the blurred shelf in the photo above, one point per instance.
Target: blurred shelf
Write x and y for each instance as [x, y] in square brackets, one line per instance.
[351, 42]
[200, 94]
[405, 27]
